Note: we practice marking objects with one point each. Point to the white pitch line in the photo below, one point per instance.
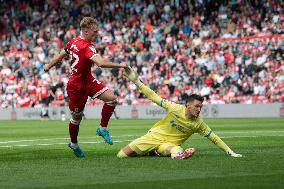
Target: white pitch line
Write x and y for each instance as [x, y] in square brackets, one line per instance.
[48, 139]
[247, 136]
[121, 136]
[52, 144]
[118, 141]
[264, 131]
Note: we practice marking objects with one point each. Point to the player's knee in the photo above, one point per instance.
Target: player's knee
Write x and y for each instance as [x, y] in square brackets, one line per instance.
[76, 118]
[121, 154]
[126, 152]
[112, 102]
[75, 122]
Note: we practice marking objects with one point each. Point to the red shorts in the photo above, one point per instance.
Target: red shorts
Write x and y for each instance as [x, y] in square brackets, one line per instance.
[78, 98]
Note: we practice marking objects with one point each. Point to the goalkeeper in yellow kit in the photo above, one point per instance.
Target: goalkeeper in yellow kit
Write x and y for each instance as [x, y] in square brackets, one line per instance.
[166, 136]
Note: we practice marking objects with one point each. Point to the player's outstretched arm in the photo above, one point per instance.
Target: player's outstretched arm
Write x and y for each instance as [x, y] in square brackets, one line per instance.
[205, 131]
[221, 144]
[150, 94]
[104, 63]
[57, 58]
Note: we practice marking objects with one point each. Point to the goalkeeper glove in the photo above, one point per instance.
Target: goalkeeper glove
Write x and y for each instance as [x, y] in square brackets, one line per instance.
[233, 154]
[132, 76]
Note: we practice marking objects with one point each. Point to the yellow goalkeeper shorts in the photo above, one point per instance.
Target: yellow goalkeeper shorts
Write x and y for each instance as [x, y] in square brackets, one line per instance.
[149, 142]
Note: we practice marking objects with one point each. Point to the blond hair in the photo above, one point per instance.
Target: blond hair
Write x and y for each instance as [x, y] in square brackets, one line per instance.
[87, 22]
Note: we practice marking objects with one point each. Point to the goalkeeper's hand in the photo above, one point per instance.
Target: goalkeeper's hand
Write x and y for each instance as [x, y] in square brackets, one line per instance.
[233, 154]
[132, 76]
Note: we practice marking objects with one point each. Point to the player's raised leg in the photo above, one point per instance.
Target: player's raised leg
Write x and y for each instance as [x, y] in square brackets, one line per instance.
[110, 102]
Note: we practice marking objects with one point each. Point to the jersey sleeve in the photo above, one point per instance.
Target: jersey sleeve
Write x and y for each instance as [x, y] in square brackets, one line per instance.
[91, 52]
[205, 131]
[151, 95]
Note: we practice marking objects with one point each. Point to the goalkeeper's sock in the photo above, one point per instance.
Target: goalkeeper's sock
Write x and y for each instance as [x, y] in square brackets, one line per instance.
[106, 114]
[176, 151]
[73, 132]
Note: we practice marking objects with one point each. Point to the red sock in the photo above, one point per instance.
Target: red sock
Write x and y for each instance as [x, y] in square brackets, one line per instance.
[106, 114]
[73, 132]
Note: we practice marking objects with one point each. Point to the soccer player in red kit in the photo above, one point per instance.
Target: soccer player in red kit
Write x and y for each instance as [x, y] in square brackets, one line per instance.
[82, 84]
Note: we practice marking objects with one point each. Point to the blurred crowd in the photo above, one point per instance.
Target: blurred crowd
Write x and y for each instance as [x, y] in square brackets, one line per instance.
[227, 51]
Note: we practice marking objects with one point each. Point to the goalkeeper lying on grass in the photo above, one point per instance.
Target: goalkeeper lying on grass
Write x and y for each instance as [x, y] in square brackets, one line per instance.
[166, 136]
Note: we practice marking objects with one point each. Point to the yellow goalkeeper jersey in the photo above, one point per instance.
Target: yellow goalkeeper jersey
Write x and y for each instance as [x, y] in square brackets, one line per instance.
[175, 127]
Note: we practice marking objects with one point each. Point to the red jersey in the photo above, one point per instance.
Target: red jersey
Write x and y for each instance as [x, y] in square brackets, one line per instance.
[81, 51]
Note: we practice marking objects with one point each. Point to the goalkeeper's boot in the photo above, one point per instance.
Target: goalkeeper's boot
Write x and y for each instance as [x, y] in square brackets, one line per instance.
[105, 134]
[77, 151]
[185, 154]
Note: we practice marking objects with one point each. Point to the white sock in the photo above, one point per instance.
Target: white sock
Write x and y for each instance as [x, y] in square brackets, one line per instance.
[74, 145]
[104, 128]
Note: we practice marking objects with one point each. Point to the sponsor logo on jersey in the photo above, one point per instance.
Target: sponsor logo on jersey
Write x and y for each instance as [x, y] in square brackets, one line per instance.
[177, 127]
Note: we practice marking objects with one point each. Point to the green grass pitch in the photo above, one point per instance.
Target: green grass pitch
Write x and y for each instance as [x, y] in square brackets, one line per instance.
[34, 154]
